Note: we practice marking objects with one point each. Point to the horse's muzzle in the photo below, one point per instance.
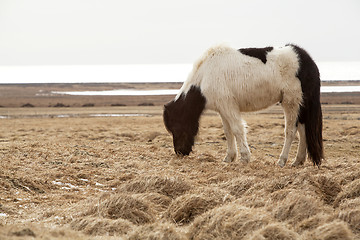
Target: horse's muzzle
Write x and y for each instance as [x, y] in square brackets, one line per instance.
[181, 153]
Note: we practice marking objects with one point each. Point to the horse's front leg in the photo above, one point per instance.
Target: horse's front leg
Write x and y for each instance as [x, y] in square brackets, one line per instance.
[231, 143]
[234, 126]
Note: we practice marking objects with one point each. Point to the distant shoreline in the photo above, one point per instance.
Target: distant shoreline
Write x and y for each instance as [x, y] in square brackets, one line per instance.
[340, 82]
[40, 94]
[326, 82]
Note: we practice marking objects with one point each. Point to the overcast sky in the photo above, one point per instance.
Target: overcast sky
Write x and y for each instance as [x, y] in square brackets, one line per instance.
[67, 32]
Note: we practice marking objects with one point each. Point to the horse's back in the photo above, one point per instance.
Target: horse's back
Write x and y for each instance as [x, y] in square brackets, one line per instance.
[229, 76]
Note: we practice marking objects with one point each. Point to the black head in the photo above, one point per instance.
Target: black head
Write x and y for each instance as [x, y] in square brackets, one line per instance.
[181, 119]
[183, 133]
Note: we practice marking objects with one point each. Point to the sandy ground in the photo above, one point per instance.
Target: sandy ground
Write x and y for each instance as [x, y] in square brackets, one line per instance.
[67, 175]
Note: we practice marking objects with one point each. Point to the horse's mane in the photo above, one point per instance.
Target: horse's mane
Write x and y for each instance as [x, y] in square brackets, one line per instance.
[194, 78]
[215, 50]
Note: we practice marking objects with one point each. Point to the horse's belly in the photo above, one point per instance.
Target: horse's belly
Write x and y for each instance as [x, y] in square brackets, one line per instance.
[257, 99]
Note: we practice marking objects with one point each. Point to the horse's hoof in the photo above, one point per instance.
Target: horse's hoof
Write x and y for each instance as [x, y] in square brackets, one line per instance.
[295, 164]
[229, 159]
[245, 157]
[298, 162]
[282, 162]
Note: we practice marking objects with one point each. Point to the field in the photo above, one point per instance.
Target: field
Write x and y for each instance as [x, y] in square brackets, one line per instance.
[66, 174]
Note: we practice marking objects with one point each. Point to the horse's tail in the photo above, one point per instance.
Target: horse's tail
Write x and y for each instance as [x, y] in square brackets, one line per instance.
[310, 111]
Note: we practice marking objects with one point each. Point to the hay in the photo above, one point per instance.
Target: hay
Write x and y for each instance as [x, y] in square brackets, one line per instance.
[152, 193]
[350, 204]
[123, 206]
[352, 217]
[274, 231]
[99, 226]
[351, 191]
[326, 187]
[185, 208]
[38, 231]
[256, 200]
[168, 186]
[205, 157]
[247, 189]
[157, 231]
[188, 206]
[279, 196]
[296, 207]
[24, 183]
[336, 230]
[350, 176]
[350, 213]
[228, 222]
[314, 222]
[278, 184]
[240, 185]
[159, 202]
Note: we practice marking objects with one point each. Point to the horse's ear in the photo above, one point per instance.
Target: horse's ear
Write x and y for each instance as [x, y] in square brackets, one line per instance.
[166, 117]
[166, 111]
[167, 106]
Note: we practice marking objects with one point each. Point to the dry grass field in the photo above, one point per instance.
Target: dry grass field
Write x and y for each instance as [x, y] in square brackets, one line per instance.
[67, 175]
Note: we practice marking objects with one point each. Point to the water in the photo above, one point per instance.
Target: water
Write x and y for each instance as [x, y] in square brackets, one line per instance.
[131, 92]
[338, 89]
[120, 115]
[77, 115]
[122, 92]
[139, 73]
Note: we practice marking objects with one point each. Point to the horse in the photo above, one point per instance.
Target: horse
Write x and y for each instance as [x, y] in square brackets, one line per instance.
[233, 81]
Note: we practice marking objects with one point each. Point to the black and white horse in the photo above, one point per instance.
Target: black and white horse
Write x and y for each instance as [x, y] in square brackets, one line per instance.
[232, 81]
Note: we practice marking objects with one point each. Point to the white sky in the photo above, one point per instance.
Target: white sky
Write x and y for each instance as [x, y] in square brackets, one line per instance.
[67, 32]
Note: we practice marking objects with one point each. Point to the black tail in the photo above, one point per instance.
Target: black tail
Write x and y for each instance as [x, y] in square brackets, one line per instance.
[310, 112]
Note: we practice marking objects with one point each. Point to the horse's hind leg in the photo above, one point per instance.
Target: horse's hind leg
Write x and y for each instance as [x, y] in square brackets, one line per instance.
[234, 125]
[301, 152]
[230, 138]
[291, 113]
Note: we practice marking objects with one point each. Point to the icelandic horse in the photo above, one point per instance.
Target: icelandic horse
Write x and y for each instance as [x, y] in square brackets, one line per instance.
[231, 81]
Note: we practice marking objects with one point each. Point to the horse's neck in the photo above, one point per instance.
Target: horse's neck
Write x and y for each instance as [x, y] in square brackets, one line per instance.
[193, 103]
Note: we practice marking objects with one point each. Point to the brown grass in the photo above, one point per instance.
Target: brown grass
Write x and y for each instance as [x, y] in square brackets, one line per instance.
[277, 231]
[187, 207]
[84, 177]
[97, 226]
[231, 221]
[334, 230]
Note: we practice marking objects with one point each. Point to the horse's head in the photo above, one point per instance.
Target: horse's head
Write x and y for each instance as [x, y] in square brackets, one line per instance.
[181, 119]
[176, 124]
